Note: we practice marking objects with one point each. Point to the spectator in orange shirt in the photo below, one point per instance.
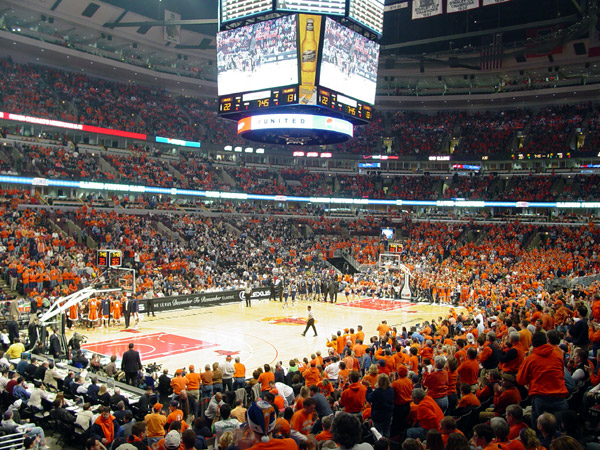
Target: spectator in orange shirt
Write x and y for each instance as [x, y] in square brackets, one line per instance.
[448, 427]
[239, 377]
[264, 379]
[193, 380]
[326, 434]
[354, 396]
[436, 383]
[312, 376]
[383, 328]
[303, 419]
[403, 388]
[543, 371]
[178, 382]
[429, 415]
[174, 412]
[467, 401]
[207, 381]
[468, 372]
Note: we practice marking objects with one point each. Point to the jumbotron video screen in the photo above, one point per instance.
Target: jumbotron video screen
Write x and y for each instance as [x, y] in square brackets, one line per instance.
[298, 74]
[259, 56]
[349, 62]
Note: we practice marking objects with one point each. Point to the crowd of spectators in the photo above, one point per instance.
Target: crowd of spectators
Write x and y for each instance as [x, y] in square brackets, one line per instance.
[489, 132]
[550, 129]
[497, 272]
[77, 97]
[422, 134]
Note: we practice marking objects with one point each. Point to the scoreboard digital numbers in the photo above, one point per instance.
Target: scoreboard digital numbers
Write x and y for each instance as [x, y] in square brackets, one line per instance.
[116, 258]
[252, 101]
[368, 13]
[109, 258]
[239, 9]
[102, 258]
[332, 7]
[345, 105]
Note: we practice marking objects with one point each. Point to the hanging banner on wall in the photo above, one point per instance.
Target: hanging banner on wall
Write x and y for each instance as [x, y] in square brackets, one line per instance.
[493, 2]
[426, 8]
[172, 32]
[461, 5]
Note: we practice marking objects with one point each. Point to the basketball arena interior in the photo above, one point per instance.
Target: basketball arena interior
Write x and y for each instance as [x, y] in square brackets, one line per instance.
[297, 224]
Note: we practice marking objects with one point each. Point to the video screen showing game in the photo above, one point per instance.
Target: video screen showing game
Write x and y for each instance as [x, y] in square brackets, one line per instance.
[259, 56]
[349, 62]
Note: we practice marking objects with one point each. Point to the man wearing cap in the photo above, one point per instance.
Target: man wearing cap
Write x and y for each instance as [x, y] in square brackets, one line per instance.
[174, 412]
[172, 440]
[131, 363]
[193, 381]
[261, 421]
[505, 394]
[228, 371]
[155, 422]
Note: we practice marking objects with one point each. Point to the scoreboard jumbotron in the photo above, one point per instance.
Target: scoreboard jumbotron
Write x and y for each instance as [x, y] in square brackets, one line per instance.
[298, 71]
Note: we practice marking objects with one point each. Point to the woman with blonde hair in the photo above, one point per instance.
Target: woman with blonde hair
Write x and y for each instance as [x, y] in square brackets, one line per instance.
[103, 395]
[371, 377]
[303, 395]
[530, 440]
[225, 440]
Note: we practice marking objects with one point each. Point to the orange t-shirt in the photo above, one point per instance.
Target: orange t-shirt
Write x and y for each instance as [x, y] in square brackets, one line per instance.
[302, 422]
[178, 384]
[264, 379]
[193, 381]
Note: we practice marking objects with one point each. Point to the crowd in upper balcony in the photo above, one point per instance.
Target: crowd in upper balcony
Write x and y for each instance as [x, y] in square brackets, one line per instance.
[139, 166]
[78, 97]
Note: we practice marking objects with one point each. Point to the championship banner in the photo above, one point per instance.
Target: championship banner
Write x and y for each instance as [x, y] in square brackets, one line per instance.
[201, 300]
[461, 5]
[426, 8]
[172, 32]
[493, 2]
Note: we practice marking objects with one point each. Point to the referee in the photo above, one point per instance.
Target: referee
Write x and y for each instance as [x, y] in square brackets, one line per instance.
[310, 322]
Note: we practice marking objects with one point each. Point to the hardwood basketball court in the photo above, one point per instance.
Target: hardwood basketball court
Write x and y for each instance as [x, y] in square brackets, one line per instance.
[264, 333]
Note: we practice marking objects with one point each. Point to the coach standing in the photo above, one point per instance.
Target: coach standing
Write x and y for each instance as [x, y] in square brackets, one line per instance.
[130, 364]
[127, 309]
